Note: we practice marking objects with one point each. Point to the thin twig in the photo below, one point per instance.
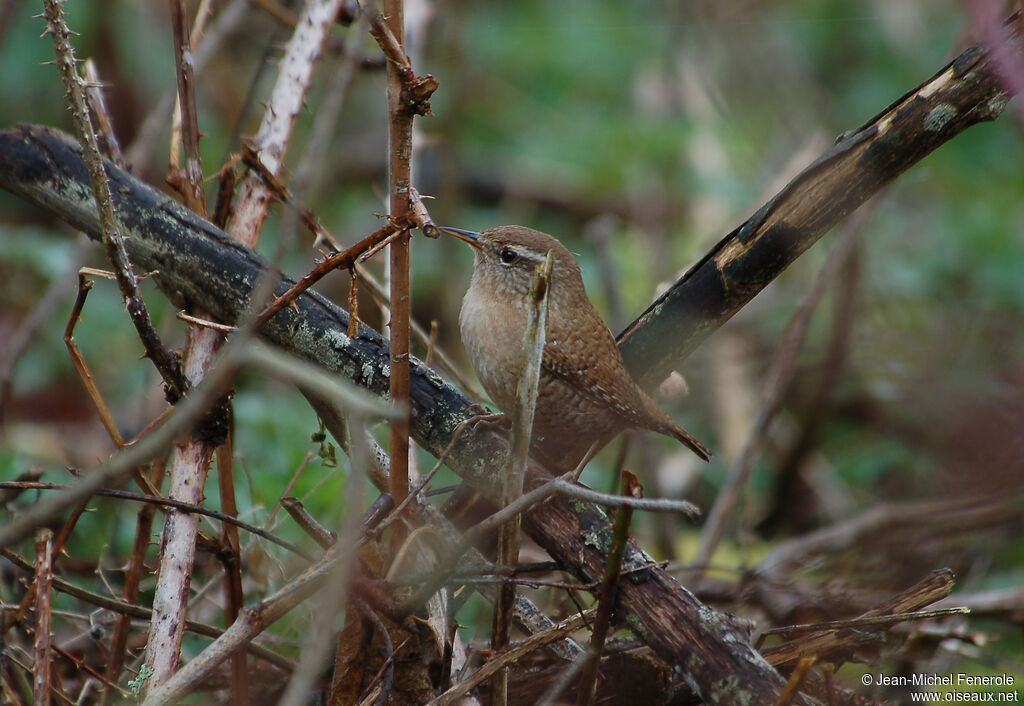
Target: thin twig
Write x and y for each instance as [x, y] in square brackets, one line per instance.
[41, 651]
[56, 548]
[161, 501]
[609, 588]
[270, 521]
[231, 558]
[795, 680]
[868, 621]
[139, 612]
[94, 95]
[419, 215]
[189, 183]
[205, 323]
[342, 260]
[308, 524]
[681, 507]
[308, 174]
[228, 20]
[88, 669]
[285, 103]
[515, 652]
[938, 584]
[189, 462]
[165, 362]
[534, 338]
[133, 577]
[82, 368]
[386, 678]
[414, 91]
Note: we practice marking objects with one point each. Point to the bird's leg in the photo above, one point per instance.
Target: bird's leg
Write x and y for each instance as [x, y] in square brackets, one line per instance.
[587, 458]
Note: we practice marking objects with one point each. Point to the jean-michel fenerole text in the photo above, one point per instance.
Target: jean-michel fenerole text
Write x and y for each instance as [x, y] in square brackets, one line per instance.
[959, 679]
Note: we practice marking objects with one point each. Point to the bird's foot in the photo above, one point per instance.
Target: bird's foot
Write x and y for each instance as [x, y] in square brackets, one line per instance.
[486, 418]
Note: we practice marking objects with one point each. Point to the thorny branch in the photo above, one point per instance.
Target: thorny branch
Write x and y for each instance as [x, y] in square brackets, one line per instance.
[414, 98]
[167, 502]
[113, 242]
[135, 611]
[190, 459]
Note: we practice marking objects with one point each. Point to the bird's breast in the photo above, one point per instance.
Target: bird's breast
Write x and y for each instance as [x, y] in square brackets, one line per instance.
[492, 332]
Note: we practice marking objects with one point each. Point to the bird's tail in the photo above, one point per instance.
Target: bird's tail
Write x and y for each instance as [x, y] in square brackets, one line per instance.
[689, 441]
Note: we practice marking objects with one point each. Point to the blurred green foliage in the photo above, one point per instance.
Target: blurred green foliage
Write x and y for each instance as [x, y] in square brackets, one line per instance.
[677, 120]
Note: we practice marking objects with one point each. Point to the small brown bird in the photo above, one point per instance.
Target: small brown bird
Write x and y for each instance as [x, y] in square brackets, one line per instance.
[585, 396]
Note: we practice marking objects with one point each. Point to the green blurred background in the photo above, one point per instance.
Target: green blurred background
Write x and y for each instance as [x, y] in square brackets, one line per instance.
[639, 133]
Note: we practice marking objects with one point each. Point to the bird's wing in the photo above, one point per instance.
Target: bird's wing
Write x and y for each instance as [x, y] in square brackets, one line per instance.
[594, 368]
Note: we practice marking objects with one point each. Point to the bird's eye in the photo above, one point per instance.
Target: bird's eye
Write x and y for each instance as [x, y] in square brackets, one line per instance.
[508, 256]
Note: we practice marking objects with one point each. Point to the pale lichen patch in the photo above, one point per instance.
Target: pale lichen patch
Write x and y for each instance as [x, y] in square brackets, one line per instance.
[939, 116]
[337, 338]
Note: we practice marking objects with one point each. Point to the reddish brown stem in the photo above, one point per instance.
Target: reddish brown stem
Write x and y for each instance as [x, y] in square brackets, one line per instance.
[191, 188]
[234, 598]
[78, 361]
[399, 181]
[341, 260]
[132, 578]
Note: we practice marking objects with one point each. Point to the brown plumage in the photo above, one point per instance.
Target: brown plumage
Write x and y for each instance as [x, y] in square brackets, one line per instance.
[585, 395]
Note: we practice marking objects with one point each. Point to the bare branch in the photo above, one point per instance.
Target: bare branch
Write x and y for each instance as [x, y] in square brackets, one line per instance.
[163, 359]
[609, 587]
[535, 336]
[43, 581]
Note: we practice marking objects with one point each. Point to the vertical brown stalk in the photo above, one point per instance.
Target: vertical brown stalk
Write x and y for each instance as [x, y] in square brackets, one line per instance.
[191, 187]
[190, 458]
[399, 179]
[233, 594]
[132, 580]
[631, 488]
[515, 472]
[44, 578]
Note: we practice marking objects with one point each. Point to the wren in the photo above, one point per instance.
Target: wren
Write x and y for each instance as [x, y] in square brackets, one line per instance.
[585, 395]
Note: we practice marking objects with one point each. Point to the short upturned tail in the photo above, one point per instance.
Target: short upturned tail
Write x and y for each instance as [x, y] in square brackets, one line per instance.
[689, 441]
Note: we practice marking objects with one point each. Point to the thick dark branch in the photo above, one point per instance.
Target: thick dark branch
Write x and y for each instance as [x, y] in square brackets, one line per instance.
[964, 92]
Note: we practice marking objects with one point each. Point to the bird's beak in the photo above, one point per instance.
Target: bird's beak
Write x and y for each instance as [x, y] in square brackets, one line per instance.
[467, 236]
